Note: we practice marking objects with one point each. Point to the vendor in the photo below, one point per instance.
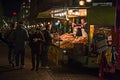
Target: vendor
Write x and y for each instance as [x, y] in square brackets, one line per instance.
[83, 29]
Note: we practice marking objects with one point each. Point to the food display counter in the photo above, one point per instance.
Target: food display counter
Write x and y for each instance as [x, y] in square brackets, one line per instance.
[66, 47]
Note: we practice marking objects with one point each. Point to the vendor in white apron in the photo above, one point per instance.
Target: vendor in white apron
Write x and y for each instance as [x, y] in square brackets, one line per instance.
[83, 31]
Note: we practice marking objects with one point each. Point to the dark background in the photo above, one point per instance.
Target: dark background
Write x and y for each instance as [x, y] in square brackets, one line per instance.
[10, 6]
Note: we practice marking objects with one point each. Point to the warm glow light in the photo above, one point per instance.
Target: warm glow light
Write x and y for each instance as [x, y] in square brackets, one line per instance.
[91, 32]
[78, 12]
[82, 3]
[88, 0]
[83, 12]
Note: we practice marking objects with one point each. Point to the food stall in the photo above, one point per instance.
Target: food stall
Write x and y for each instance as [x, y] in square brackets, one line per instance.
[68, 47]
[65, 47]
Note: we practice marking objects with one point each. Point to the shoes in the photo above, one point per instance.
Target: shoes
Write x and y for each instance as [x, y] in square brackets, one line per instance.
[100, 75]
[42, 67]
[11, 65]
[19, 67]
[47, 67]
[16, 67]
[36, 69]
[22, 66]
[32, 69]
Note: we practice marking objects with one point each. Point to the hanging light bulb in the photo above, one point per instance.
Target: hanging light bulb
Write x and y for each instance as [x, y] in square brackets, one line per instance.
[82, 2]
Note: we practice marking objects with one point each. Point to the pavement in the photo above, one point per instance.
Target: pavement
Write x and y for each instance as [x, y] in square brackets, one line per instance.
[9, 73]
[64, 72]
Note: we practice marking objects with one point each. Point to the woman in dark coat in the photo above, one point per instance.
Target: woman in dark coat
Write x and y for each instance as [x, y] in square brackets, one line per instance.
[36, 41]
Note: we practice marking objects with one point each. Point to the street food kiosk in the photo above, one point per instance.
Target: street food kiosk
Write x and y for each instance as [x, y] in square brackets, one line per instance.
[69, 47]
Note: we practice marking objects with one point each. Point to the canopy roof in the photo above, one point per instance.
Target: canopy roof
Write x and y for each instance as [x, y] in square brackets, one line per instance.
[45, 14]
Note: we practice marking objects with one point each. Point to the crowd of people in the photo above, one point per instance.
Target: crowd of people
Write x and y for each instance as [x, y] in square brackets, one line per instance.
[17, 37]
[39, 41]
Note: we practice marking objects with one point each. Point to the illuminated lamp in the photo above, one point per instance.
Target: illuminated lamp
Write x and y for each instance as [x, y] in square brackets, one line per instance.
[88, 0]
[81, 2]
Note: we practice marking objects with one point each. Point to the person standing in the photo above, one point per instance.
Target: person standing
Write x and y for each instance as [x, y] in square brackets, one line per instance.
[83, 31]
[20, 37]
[11, 45]
[84, 28]
[101, 44]
[48, 41]
[35, 43]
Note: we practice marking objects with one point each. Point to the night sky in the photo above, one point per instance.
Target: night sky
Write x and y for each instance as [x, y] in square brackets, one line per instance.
[10, 6]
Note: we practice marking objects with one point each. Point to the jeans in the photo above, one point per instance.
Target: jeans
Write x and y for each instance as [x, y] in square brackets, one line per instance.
[44, 56]
[35, 59]
[20, 57]
[11, 54]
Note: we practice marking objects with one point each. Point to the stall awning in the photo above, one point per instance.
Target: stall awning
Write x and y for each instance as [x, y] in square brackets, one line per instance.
[45, 14]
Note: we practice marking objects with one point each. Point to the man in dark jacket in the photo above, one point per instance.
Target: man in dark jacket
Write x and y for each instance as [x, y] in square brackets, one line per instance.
[10, 43]
[83, 29]
[20, 36]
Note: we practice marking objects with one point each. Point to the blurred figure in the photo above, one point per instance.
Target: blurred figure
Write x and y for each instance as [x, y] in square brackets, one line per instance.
[36, 41]
[83, 28]
[48, 41]
[101, 47]
[11, 45]
[20, 37]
